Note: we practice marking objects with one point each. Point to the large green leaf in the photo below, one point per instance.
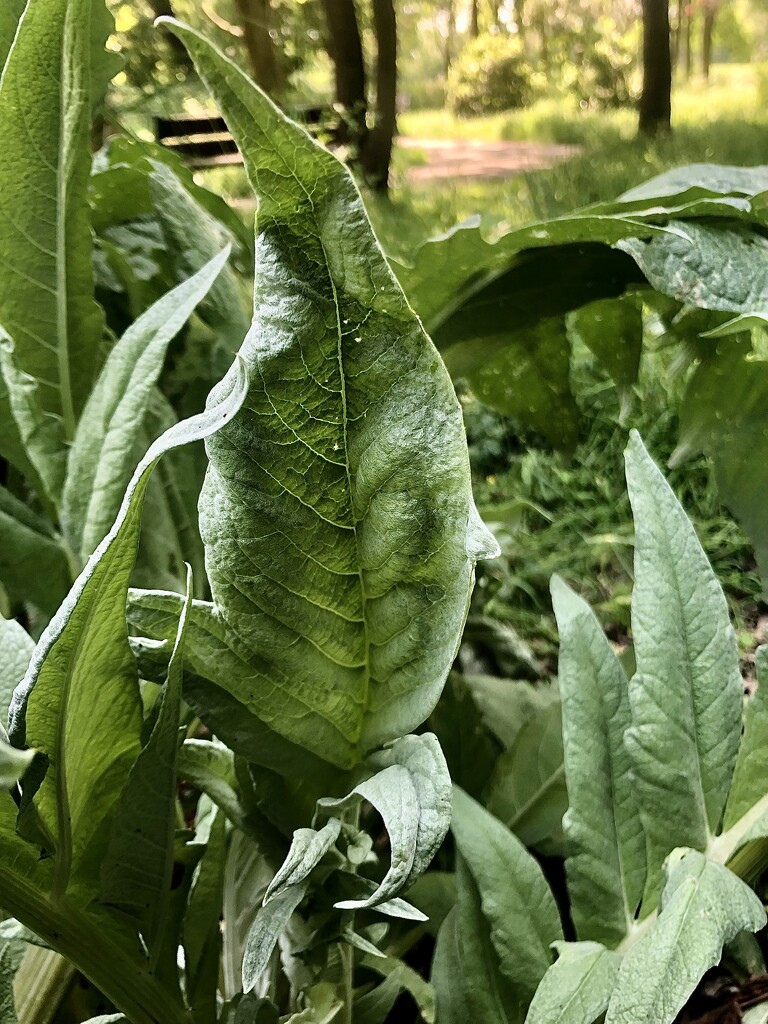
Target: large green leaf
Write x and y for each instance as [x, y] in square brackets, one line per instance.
[448, 971]
[101, 459]
[79, 701]
[686, 695]
[46, 290]
[577, 987]
[607, 862]
[703, 906]
[344, 482]
[515, 897]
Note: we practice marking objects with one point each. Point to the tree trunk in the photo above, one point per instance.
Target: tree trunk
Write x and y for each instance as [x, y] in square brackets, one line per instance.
[710, 12]
[688, 41]
[474, 23]
[678, 33]
[450, 37]
[376, 151]
[346, 52]
[256, 18]
[655, 101]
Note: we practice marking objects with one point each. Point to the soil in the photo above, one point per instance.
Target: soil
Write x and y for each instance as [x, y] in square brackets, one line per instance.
[460, 158]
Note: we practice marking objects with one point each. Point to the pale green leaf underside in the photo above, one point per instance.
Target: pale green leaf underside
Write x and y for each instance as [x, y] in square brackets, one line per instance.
[13, 764]
[102, 457]
[686, 695]
[308, 847]
[577, 987]
[606, 865]
[265, 931]
[337, 510]
[516, 899]
[703, 906]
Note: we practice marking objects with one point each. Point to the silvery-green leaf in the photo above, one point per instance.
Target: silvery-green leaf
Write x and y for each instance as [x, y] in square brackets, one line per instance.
[345, 481]
[308, 847]
[489, 993]
[136, 873]
[16, 647]
[577, 987]
[448, 971]
[393, 793]
[51, 79]
[686, 696]
[79, 701]
[422, 757]
[101, 459]
[756, 1015]
[606, 862]
[247, 873]
[750, 779]
[358, 889]
[704, 905]
[515, 897]
[269, 923]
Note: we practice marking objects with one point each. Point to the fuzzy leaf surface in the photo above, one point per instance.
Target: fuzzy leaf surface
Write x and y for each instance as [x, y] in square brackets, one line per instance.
[686, 696]
[577, 987]
[607, 862]
[344, 483]
[101, 459]
[515, 897]
[704, 905]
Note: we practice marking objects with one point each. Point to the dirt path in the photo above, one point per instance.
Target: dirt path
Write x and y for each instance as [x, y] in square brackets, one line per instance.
[459, 158]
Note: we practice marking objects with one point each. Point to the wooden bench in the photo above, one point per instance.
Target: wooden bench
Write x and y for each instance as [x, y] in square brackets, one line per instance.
[205, 140]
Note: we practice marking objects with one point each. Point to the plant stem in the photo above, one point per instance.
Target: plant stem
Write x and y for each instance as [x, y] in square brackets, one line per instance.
[347, 954]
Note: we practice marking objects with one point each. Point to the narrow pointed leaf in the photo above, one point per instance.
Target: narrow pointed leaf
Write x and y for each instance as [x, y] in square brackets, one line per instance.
[202, 924]
[102, 457]
[353, 504]
[686, 695]
[516, 899]
[210, 767]
[79, 701]
[269, 923]
[606, 865]
[136, 874]
[750, 779]
[704, 906]
[489, 993]
[308, 847]
[393, 794]
[46, 292]
[577, 987]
